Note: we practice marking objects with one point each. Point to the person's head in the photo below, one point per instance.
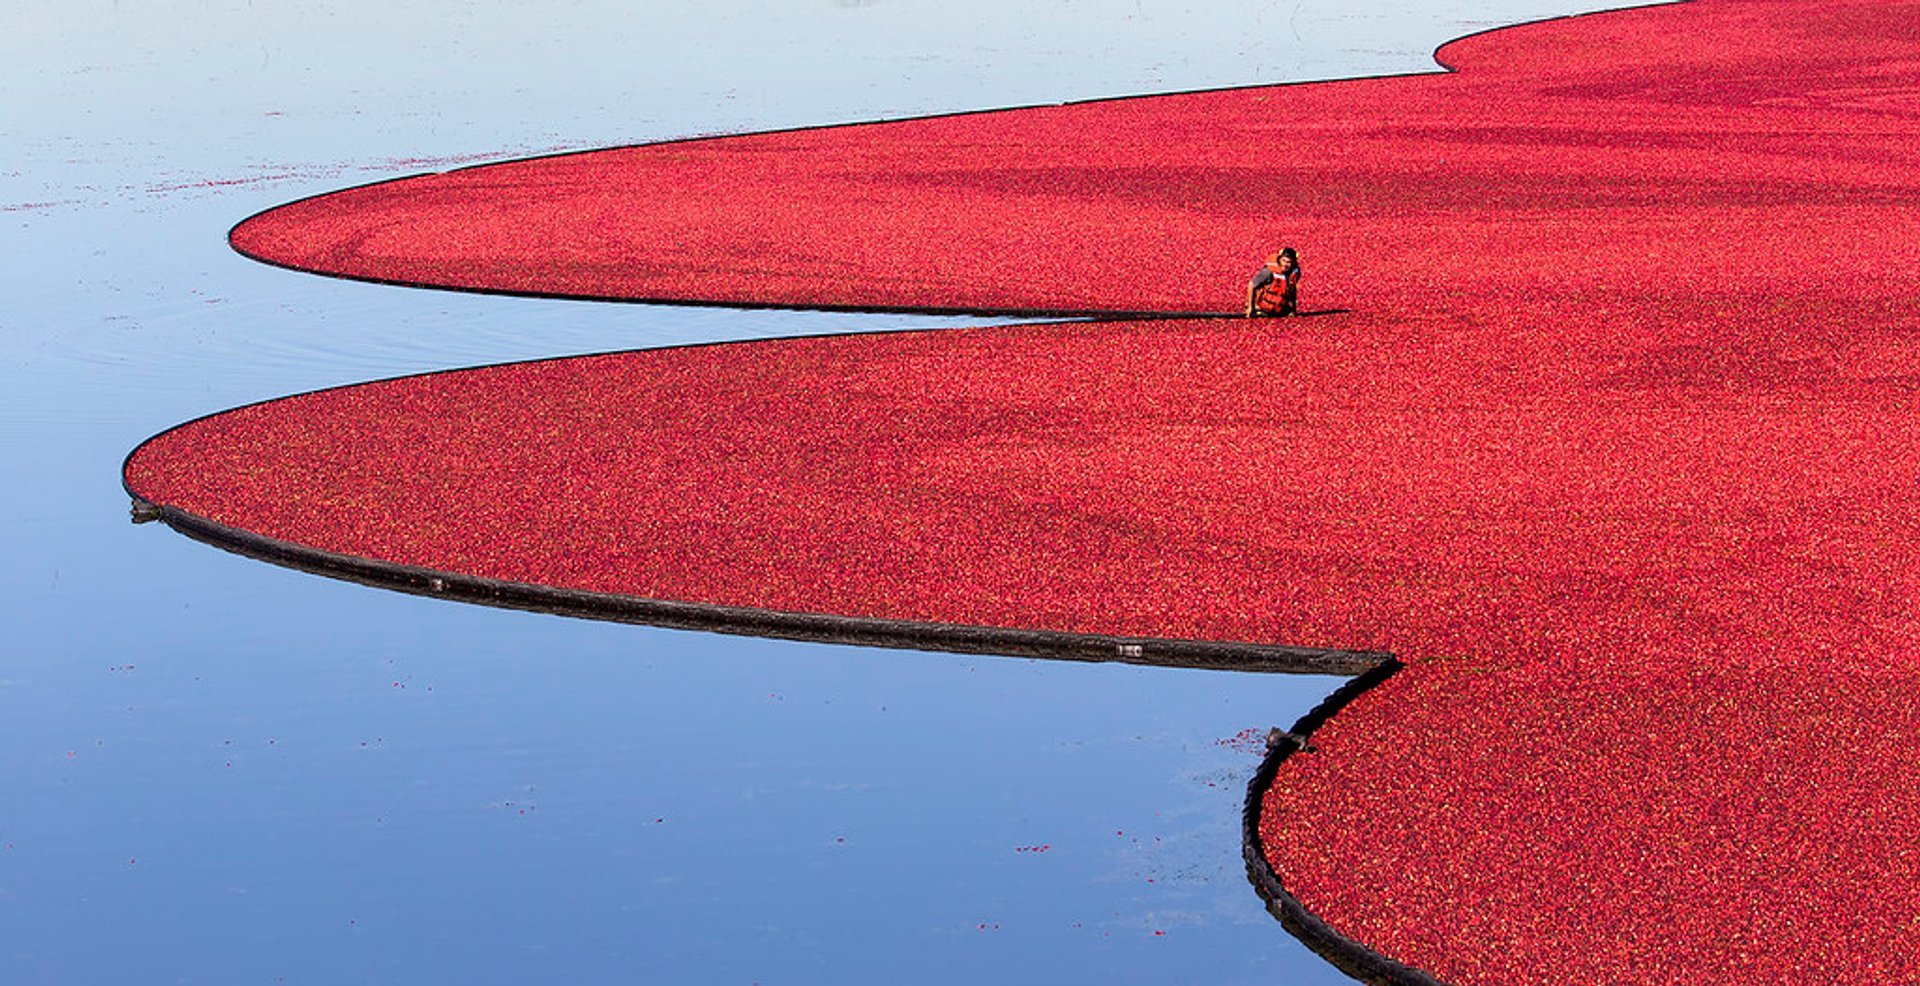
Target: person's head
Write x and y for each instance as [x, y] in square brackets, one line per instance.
[1287, 255]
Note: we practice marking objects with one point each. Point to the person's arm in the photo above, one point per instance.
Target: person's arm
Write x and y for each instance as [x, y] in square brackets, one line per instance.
[1261, 278]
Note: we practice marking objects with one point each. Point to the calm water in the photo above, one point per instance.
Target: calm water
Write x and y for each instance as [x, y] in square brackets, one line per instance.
[213, 770]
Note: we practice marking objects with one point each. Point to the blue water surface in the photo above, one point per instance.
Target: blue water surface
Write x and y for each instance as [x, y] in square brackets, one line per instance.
[217, 771]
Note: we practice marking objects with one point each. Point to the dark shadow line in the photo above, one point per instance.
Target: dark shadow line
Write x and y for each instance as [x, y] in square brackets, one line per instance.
[1059, 314]
[813, 627]
[1344, 953]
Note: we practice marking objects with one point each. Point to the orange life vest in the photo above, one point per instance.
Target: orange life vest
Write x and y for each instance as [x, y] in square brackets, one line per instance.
[1277, 297]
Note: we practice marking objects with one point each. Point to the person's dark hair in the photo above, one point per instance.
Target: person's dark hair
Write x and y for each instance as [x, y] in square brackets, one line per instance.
[1288, 253]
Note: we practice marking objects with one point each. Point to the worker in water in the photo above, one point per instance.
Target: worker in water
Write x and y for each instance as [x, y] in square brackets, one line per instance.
[1275, 288]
